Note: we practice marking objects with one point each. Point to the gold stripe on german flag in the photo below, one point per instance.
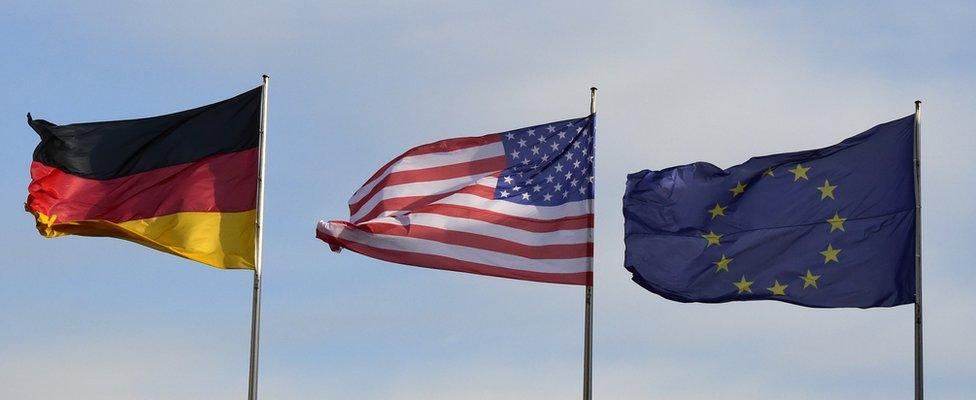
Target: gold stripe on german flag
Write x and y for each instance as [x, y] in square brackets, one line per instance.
[183, 183]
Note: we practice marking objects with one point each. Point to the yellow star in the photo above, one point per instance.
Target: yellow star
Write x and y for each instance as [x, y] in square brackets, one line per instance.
[778, 289]
[810, 280]
[827, 190]
[723, 264]
[738, 189]
[718, 210]
[712, 238]
[836, 223]
[830, 254]
[743, 285]
[769, 172]
[799, 172]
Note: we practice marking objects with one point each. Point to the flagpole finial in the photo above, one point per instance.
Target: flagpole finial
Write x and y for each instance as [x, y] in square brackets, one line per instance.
[592, 99]
[265, 76]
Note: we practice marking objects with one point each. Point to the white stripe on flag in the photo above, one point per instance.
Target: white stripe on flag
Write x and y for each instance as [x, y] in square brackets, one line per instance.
[463, 253]
[567, 236]
[425, 188]
[432, 160]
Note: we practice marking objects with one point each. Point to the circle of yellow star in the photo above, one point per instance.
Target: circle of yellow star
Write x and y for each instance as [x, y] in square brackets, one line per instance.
[810, 280]
[769, 172]
[722, 264]
[827, 190]
[717, 211]
[743, 285]
[836, 223]
[799, 171]
[778, 289]
[712, 238]
[738, 189]
[830, 254]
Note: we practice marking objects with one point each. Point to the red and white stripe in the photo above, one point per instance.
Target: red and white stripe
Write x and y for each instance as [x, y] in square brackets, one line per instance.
[434, 207]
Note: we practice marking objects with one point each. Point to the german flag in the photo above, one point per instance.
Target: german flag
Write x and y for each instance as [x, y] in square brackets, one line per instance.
[183, 183]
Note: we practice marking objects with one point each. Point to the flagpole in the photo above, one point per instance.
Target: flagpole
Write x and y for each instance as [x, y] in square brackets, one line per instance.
[918, 251]
[588, 319]
[252, 379]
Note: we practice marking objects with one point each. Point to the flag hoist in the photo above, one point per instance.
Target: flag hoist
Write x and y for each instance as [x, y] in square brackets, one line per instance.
[189, 183]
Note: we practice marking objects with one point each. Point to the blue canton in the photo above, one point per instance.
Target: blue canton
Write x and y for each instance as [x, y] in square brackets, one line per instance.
[548, 164]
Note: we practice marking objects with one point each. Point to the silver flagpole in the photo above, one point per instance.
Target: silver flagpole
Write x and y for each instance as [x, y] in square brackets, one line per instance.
[588, 319]
[918, 251]
[252, 378]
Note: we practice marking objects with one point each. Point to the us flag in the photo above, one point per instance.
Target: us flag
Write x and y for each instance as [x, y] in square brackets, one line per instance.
[516, 204]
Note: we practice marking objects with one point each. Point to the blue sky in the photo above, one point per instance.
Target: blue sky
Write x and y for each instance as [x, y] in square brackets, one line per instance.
[353, 86]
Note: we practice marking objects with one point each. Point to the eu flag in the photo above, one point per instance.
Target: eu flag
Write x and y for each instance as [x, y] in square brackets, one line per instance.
[832, 227]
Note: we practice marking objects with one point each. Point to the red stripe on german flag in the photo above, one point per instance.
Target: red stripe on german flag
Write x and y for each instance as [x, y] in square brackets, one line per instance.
[182, 183]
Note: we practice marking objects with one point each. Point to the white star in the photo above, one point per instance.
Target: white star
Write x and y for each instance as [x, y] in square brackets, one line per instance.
[525, 196]
[586, 132]
[551, 128]
[562, 134]
[559, 187]
[508, 180]
[576, 164]
[582, 189]
[584, 170]
[519, 173]
[515, 154]
[590, 139]
[525, 161]
[569, 156]
[529, 181]
[510, 136]
[504, 193]
[569, 175]
[565, 194]
[569, 125]
[547, 197]
[542, 139]
[590, 178]
[579, 129]
[550, 178]
[573, 182]
[537, 188]
[576, 145]
[584, 151]
[559, 168]
[535, 150]
[591, 159]
[531, 132]
[517, 188]
[521, 142]
[555, 146]
[545, 157]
